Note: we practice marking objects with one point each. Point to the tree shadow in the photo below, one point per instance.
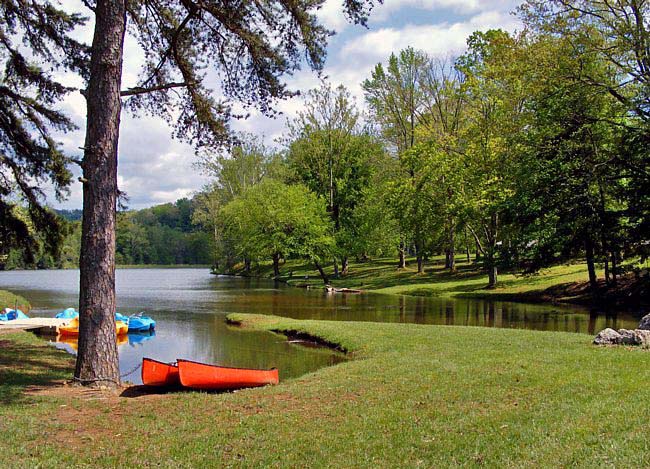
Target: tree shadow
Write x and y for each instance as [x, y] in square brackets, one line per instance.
[24, 366]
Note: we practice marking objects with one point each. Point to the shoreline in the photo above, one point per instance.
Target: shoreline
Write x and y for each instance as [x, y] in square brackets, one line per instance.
[630, 294]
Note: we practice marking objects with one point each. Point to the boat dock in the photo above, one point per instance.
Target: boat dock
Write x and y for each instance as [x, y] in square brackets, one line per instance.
[41, 326]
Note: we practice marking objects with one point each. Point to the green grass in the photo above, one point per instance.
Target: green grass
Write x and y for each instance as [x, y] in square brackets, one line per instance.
[383, 276]
[9, 300]
[413, 396]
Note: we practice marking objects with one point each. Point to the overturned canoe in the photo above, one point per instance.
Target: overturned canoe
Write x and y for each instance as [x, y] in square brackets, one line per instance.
[155, 373]
[212, 377]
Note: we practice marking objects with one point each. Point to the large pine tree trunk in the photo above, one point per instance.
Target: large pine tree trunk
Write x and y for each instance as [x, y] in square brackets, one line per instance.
[97, 359]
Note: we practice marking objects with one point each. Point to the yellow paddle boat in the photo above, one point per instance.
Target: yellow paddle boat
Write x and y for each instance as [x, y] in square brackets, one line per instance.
[73, 342]
[72, 328]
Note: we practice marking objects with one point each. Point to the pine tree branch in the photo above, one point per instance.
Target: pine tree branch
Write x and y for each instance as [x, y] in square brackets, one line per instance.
[139, 90]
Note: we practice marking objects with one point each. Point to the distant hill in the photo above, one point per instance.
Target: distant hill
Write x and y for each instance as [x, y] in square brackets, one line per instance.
[70, 215]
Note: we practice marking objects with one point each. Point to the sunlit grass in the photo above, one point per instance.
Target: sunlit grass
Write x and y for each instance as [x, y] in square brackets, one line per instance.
[11, 300]
[414, 395]
[383, 276]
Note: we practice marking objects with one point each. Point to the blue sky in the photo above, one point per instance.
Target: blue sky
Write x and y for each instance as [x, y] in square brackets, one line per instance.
[154, 168]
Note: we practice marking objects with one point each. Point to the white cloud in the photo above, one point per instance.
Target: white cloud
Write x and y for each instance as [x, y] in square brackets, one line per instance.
[154, 169]
[435, 39]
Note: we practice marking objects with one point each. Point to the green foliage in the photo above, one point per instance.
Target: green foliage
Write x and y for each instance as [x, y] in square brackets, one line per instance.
[273, 219]
[35, 42]
[336, 159]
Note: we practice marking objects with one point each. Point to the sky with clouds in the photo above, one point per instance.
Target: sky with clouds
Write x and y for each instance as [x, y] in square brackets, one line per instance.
[154, 168]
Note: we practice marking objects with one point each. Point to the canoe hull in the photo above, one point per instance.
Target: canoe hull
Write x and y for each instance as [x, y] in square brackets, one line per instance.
[155, 373]
[211, 377]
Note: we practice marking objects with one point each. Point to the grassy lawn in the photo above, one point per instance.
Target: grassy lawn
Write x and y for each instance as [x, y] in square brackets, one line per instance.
[9, 300]
[413, 396]
[383, 276]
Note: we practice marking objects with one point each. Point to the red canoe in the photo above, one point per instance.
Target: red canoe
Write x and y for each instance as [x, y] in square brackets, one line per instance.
[155, 373]
[203, 376]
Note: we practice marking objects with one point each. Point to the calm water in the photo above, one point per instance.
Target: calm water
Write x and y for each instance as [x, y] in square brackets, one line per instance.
[189, 306]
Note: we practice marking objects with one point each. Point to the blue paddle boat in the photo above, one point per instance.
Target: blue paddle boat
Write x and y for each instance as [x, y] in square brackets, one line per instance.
[137, 338]
[69, 313]
[9, 314]
[137, 322]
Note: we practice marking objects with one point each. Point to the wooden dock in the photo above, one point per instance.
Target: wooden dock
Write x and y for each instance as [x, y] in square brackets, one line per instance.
[41, 326]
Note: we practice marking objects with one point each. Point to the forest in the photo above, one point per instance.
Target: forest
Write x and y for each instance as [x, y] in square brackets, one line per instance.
[527, 150]
[160, 235]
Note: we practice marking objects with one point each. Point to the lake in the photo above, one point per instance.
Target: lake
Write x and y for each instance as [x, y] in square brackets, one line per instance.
[190, 305]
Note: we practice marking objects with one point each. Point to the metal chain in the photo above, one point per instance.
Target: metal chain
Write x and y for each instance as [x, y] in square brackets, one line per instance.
[106, 379]
[132, 371]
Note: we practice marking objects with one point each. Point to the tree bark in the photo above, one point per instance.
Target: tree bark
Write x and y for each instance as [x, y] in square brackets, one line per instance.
[345, 265]
[247, 266]
[591, 264]
[97, 358]
[451, 252]
[490, 255]
[402, 255]
[336, 268]
[420, 259]
[322, 273]
[276, 264]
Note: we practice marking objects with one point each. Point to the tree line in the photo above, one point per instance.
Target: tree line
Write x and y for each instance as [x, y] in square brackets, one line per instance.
[161, 235]
[527, 150]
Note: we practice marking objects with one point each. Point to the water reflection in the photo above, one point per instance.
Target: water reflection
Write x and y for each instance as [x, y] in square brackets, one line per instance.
[189, 306]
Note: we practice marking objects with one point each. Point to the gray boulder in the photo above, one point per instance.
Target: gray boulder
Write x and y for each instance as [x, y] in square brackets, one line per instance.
[643, 337]
[608, 337]
[645, 323]
[628, 337]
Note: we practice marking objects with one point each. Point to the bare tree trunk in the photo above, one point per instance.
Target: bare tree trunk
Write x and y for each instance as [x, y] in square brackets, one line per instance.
[492, 275]
[402, 255]
[614, 268]
[322, 273]
[276, 264]
[336, 268]
[452, 247]
[490, 255]
[591, 265]
[97, 358]
[345, 265]
[420, 259]
[247, 266]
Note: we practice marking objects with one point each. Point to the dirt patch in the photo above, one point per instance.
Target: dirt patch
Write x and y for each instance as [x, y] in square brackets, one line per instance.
[298, 336]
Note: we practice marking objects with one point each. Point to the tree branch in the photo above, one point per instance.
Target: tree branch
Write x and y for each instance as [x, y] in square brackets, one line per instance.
[139, 90]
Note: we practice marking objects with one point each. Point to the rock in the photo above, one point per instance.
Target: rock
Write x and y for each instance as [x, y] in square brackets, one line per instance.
[607, 337]
[628, 337]
[645, 323]
[643, 336]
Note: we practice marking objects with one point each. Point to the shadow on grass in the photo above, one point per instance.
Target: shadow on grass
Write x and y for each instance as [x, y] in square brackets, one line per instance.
[141, 390]
[24, 365]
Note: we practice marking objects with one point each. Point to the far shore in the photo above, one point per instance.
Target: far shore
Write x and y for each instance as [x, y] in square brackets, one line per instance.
[560, 284]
